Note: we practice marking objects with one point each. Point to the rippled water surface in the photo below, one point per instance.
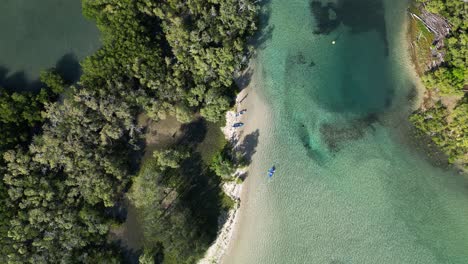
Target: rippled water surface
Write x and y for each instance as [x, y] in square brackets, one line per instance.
[351, 186]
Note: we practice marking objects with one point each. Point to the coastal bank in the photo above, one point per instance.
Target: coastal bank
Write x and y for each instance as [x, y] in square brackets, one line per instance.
[438, 40]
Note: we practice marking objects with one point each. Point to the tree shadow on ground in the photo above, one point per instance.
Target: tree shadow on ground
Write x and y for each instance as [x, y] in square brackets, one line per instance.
[200, 192]
[193, 133]
[129, 255]
[247, 148]
[203, 196]
[244, 79]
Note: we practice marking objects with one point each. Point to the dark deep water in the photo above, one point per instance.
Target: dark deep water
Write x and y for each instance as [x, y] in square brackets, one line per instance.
[37, 35]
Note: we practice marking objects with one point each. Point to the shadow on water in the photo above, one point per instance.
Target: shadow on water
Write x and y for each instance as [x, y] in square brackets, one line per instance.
[17, 81]
[193, 133]
[199, 200]
[265, 31]
[67, 66]
[130, 256]
[355, 92]
[301, 59]
[201, 192]
[359, 15]
[325, 17]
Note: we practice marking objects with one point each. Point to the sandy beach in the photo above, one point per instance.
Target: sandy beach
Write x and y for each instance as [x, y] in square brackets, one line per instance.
[256, 115]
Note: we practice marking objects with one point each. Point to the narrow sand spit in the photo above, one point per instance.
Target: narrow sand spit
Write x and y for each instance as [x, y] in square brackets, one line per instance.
[233, 189]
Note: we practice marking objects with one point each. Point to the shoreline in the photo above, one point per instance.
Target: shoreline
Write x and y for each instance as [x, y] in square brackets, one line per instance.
[254, 120]
[238, 215]
[426, 98]
[230, 218]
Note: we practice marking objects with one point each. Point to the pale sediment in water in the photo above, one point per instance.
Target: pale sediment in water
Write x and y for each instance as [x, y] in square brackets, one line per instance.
[349, 188]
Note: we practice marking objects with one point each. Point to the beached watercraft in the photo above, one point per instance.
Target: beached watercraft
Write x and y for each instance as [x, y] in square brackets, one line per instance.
[238, 124]
[271, 171]
[241, 112]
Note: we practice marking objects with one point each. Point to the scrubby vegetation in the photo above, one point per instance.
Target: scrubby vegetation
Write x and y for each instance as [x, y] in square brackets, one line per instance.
[451, 77]
[65, 162]
[447, 127]
[421, 41]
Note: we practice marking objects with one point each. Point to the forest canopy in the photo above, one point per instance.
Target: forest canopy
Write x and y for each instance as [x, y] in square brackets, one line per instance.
[72, 158]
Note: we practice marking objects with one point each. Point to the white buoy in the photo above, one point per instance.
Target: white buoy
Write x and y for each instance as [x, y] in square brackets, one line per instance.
[333, 42]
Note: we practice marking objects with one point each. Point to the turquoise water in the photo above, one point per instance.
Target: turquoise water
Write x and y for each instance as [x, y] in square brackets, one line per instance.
[351, 185]
[36, 35]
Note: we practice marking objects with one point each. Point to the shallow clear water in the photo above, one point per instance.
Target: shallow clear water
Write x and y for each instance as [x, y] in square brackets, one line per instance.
[36, 35]
[350, 185]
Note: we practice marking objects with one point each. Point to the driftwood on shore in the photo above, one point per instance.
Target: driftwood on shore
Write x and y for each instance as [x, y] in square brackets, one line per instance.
[438, 26]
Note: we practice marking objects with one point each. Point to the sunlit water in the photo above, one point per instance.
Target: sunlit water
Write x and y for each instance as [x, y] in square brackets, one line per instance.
[350, 186]
[37, 35]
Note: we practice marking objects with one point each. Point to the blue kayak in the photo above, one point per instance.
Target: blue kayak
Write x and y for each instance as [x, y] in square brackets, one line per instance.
[241, 112]
[238, 124]
[271, 171]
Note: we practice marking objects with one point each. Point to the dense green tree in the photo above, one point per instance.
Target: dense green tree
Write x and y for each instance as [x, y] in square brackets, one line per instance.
[147, 257]
[170, 158]
[223, 166]
[19, 112]
[162, 58]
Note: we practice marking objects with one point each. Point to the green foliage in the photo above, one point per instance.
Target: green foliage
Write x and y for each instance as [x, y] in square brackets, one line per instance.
[451, 77]
[186, 53]
[162, 57]
[223, 166]
[53, 80]
[146, 258]
[22, 111]
[448, 81]
[168, 224]
[227, 202]
[226, 161]
[48, 220]
[170, 158]
[19, 112]
[447, 130]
